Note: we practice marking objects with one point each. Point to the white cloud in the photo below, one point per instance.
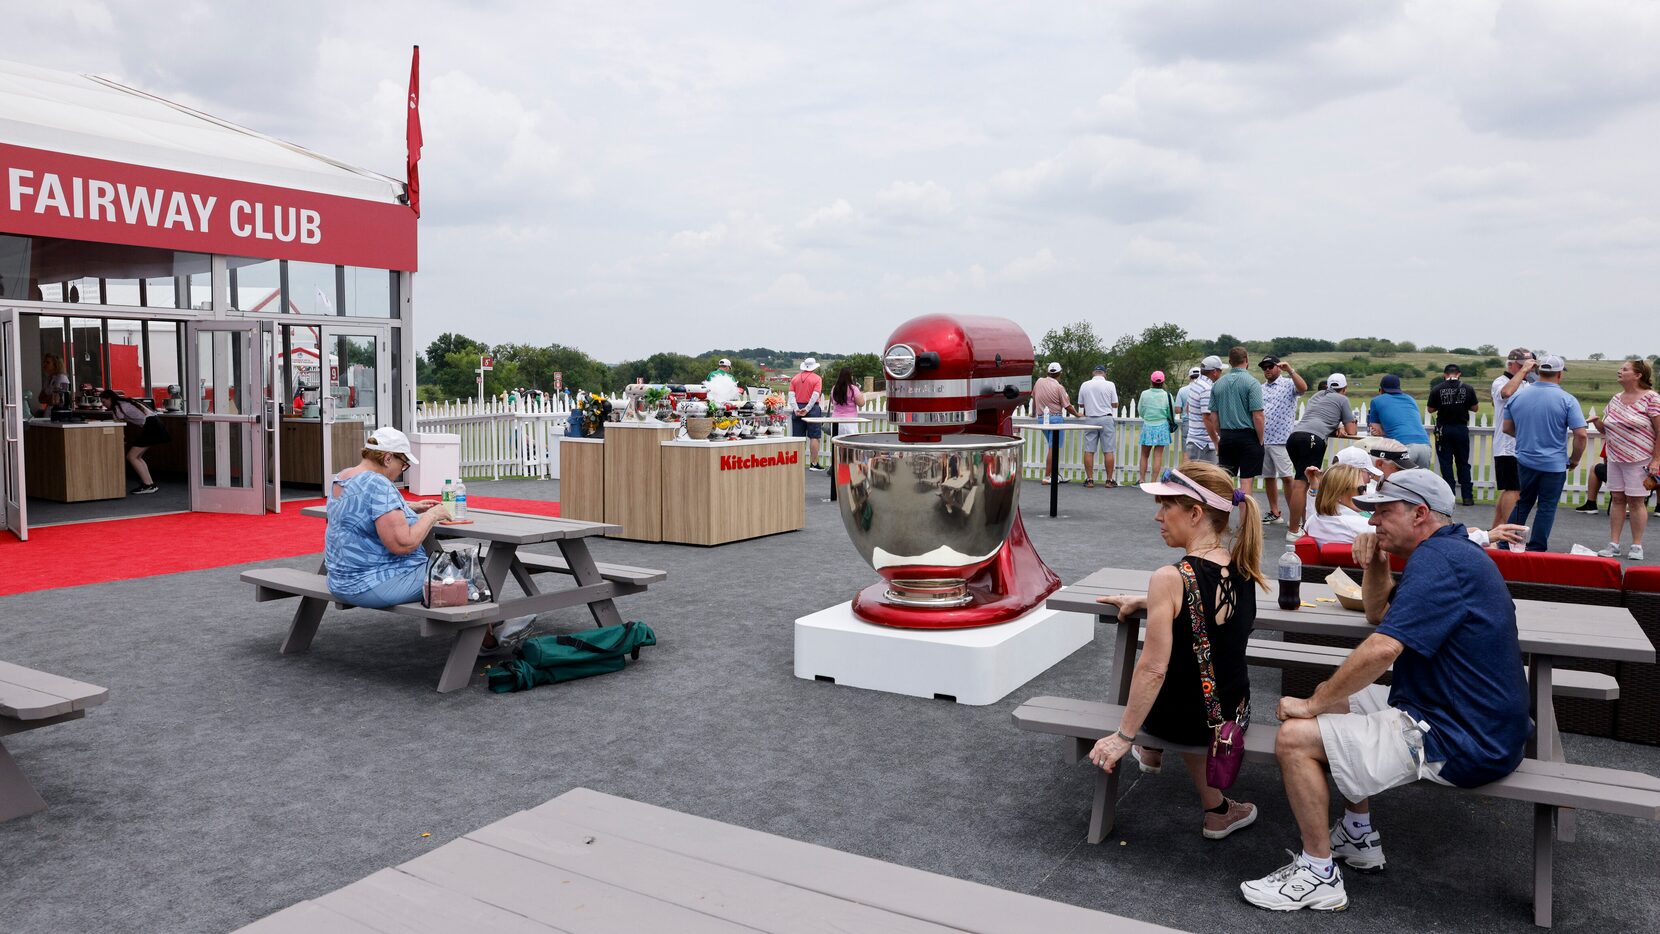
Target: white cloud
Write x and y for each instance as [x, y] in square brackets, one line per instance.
[925, 202]
[1122, 180]
[1635, 234]
[739, 232]
[1463, 182]
[793, 289]
[1147, 256]
[1028, 268]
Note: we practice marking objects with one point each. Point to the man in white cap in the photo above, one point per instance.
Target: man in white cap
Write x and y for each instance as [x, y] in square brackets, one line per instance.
[806, 390]
[1181, 411]
[1099, 398]
[1456, 712]
[1202, 431]
[1541, 420]
[1050, 403]
[1326, 414]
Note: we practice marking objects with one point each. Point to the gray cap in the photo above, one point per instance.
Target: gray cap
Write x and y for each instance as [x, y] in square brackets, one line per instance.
[1212, 362]
[1416, 486]
[1551, 363]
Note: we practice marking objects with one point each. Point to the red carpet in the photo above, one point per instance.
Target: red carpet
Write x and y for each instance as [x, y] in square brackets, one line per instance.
[95, 552]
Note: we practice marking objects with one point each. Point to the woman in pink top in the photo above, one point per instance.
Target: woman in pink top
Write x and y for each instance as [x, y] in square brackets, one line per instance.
[1629, 426]
[845, 399]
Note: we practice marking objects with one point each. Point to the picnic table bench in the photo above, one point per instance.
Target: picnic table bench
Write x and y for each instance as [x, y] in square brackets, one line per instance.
[504, 533]
[590, 862]
[31, 699]
[1547, 631]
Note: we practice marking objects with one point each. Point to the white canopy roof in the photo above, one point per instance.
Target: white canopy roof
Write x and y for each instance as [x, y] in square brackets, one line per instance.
[85, 115]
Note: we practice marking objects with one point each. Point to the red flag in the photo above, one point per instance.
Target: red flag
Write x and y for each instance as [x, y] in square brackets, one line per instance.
[413, 133]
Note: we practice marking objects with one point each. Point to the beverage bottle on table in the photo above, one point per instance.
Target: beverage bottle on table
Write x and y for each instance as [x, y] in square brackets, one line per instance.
[1291, 579]
[458, 510]
[448, 498]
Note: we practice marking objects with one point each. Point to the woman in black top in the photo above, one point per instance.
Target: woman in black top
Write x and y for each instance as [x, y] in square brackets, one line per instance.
[1167, 698]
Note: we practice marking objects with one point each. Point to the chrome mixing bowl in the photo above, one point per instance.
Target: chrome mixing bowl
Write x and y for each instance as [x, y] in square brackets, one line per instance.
[928, 517]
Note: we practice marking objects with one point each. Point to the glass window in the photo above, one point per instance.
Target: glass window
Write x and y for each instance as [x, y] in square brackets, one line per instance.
[161, 368]
[353, 362]
[45, 362]
[78, 272]
[313, 289]
[369, 292]
[86, 343]
[255, 284]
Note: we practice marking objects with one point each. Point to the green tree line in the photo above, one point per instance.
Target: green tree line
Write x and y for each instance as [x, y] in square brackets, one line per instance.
[448, 368]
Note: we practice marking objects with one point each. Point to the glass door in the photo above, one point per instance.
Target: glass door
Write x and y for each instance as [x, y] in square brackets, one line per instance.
[355, 366]
[272, 389]
[225, 404]
[12, 417]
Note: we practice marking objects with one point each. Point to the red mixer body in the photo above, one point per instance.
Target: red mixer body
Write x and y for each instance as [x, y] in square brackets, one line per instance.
[967, 375]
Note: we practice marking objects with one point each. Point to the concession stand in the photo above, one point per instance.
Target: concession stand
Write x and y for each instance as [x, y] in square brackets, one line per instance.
[256, 295]
[661, 488]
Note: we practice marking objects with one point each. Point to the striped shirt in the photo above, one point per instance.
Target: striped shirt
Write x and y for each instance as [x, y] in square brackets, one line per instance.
[1628, 430]
[1197, 406]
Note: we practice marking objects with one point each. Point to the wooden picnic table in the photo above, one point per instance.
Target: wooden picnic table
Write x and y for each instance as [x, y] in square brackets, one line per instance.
[1053, 429]
[1547, 631]
[590, 862]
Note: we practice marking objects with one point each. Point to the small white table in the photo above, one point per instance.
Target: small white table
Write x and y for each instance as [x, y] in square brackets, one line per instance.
[830, 420]
[1054, 429]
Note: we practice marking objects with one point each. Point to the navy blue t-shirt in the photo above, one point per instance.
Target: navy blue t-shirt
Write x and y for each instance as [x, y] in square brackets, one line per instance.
[1461, 671]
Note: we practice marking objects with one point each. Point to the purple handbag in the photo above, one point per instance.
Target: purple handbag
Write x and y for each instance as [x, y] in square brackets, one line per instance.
[1227, 745]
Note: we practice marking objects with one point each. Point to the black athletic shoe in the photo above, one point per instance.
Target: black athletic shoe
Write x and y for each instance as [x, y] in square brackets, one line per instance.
[1587, 507]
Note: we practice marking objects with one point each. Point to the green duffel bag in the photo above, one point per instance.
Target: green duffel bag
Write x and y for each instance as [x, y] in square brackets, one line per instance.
[551, 659]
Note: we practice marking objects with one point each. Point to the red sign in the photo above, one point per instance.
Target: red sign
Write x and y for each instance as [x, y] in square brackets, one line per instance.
[558, 381]
[486, 363]
[53, 194]
[740, 462]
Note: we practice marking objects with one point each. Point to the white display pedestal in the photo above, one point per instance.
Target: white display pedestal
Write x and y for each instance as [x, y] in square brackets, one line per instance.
[970, 666]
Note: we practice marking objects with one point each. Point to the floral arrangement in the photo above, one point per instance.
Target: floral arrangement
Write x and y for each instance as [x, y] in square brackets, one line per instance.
[773, 403]
[593, 409]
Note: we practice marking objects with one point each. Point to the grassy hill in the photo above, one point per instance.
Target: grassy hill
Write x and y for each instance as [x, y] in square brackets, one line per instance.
[1590, 381]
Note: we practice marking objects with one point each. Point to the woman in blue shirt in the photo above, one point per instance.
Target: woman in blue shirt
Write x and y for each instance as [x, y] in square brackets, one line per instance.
[373, 545]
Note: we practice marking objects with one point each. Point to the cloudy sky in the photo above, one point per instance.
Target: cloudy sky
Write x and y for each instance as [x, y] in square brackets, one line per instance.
[627, 177]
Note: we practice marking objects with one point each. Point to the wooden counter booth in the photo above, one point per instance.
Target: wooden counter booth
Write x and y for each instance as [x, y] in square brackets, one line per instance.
[688, 492]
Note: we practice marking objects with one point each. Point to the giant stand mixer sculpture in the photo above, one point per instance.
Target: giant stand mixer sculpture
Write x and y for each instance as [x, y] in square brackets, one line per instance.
[934, 507]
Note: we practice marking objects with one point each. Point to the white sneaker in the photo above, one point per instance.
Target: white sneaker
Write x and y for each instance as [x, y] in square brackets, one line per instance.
[1612, 551]
[1272, 518]
[1292, 535]
[1360, 854]
[1296, 885]
[1636, 553]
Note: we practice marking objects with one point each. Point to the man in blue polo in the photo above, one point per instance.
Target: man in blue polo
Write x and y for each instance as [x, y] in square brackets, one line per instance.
[1456, 712]
[1541, 420]
[1394, 414]
[1236, 406]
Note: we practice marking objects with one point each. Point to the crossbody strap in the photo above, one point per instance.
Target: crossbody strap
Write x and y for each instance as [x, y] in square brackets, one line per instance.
[1201, 652]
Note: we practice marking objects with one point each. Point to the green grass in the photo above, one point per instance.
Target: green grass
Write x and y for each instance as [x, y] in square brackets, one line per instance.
[1589, 381]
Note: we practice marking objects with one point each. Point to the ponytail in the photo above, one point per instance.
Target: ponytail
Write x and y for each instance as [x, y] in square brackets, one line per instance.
[1247, 541]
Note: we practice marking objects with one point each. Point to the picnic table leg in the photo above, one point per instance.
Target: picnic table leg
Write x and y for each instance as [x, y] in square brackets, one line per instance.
[1103, 811]
[583, 569]
[458, 669]
[300, 632]
[17, 796]
[1054, 474]
[1127, 637]
[497, 562]
[1544, 819]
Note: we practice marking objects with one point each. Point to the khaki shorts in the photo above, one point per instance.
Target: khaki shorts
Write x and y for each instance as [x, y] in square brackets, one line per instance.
[1375, 747]
[1197, 453]
[1276, 461]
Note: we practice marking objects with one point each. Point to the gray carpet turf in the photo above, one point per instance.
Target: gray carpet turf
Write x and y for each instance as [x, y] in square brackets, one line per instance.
[223, 782]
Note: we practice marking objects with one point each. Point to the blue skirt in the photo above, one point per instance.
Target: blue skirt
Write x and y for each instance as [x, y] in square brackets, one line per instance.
[1155, 434]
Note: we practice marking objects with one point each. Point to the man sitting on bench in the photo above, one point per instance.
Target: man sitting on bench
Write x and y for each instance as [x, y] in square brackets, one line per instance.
[1457, 712]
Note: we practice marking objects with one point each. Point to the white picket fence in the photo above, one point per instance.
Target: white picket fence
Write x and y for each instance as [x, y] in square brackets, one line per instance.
[522, 440]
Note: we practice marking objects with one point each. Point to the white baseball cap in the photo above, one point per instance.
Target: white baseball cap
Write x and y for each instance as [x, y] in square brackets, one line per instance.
[1356, 457]
[1211, 362]
[810, 364]
[1054, 367]
[725, 362]
[1337, 381]
[1551, 363]
[1193, 372]
[392, 441]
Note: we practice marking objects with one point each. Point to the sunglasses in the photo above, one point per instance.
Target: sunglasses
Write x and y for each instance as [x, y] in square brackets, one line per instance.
[1171, 476]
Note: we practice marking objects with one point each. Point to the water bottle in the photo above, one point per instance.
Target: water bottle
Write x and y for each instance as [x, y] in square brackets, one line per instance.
[448, 497]
[1291, 579]
[460, 506]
